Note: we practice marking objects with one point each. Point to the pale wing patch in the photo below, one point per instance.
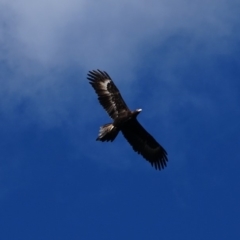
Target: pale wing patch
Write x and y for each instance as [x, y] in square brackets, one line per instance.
[104, 84]
[104, 87]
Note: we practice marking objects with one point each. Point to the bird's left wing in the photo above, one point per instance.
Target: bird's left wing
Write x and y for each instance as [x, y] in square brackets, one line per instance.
[143, 143]
[108, 94]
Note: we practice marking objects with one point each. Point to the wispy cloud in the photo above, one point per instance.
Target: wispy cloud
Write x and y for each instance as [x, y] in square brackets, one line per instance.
[97, 32]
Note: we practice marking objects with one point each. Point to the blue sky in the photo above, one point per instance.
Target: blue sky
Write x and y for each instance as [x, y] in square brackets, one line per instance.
[178, 61]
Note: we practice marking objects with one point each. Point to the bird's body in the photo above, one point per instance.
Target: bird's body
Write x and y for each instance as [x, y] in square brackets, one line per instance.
[125, 121]
[108, 132]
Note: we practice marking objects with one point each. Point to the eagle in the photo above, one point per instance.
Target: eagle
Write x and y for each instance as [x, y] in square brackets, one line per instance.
[124, 120]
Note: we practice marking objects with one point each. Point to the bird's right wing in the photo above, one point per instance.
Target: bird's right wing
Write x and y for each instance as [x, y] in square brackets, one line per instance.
[108, 94]
[143, 143]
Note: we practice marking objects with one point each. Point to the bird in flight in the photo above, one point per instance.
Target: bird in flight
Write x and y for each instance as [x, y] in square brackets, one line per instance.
[124, 120]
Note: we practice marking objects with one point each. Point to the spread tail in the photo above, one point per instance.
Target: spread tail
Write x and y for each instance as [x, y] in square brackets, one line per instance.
[107, 133]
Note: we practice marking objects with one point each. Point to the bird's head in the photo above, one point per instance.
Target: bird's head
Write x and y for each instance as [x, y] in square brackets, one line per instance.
[137, 111]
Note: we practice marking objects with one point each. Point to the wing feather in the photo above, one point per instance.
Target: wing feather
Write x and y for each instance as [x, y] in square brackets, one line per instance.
[143, 143]
[108, 94]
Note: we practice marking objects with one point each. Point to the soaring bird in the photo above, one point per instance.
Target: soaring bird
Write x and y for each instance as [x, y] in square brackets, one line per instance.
[124, 120]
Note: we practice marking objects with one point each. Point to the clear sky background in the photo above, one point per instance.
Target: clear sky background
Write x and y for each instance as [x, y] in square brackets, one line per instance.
[178, 60]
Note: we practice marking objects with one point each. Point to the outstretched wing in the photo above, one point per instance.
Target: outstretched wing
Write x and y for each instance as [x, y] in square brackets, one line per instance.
[108, 94]
[143, 143]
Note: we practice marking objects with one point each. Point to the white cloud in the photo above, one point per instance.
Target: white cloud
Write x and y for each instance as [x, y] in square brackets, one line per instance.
[96, 32]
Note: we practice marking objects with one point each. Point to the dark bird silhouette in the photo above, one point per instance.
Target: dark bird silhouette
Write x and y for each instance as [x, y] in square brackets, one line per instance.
[124, 120]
